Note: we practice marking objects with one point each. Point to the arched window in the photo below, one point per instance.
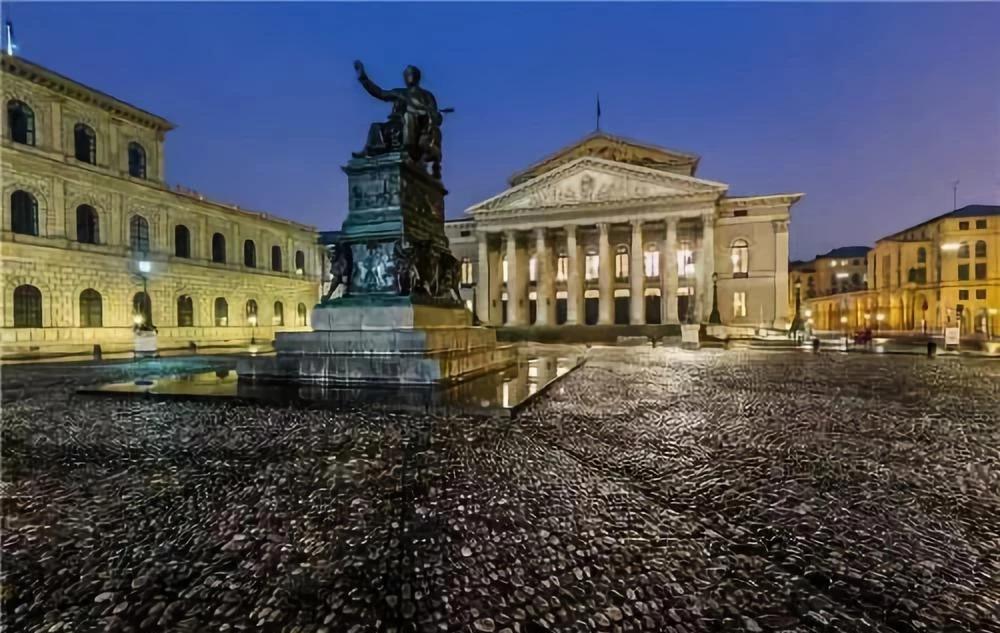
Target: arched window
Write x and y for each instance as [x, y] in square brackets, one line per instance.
[467, 278]
[980, 248]
[621, 262]
[251, 312]
[279, 314]
[739, 254]
[27, 306]
[182, 241]
[87, 228]
[142, 309]
[300, 262]
[219, 248]
[249, 254]
[300, 314]
[591, 266]
[136, 160]
[921, 255]
[85, 143]
[20, 122]
[562, 267]
[276, 258]
[963, 250]
[651, 261]
[23, 213]
[221, 312]
[138, 231]
[185, 311]
[91, 311]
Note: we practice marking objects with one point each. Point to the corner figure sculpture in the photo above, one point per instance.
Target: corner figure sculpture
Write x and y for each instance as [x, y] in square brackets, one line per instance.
[413, 126]
[340, 269]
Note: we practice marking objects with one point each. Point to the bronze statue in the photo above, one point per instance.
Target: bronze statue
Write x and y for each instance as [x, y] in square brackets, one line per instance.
[413, 126]
[340, 268]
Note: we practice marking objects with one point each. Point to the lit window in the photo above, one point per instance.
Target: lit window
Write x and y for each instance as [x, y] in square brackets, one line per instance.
[562, 268]
[505, 267]
[651, 262]
[621, 262]
[278, 317]
[740, 256]
[739, 304]
[533, 268]
[685, 260]
[592, 265]
[466, 271]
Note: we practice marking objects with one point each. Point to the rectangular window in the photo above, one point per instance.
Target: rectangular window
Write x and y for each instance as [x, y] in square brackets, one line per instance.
[980, 293]
[562, 268]
[980, 224]
[740, 213]
[963, 272]
[685, 260]
[739, 304]
[592, 267]
[963, 226]
[467, 271]
[652, 263]
[963, 295]
[981, 270]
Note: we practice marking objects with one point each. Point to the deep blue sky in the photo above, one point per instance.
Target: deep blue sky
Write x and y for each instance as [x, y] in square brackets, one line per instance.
[870, 109]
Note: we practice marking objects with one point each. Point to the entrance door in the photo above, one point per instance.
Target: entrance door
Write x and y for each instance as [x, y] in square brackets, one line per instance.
[592, 306]
[682, 307]
[653, 310]
[560, 311]
[621, 310]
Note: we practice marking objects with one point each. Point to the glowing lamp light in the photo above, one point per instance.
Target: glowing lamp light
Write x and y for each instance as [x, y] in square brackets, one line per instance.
[880, 317]
[868, 316]
[993, 311]
[137, 319]
[809, 313]
[145, 266]
[843, 320]
[842, 275]
[252, 319]
[298, 271]
[950, 246]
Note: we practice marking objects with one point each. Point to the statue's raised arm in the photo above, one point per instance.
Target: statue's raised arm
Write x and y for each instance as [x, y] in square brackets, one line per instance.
[370, 86]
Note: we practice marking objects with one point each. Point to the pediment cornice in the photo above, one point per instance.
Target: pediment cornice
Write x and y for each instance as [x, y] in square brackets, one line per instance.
[590, 182]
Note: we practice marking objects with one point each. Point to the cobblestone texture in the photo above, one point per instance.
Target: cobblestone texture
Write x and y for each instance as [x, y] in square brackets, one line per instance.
[652, 490]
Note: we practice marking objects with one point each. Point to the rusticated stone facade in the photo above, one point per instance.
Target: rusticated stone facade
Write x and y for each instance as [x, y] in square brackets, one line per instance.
[83, 206]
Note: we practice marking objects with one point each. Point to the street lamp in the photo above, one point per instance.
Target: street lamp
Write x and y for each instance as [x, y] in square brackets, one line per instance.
[252, 319]
[143, 320]
[714, 317]
[878, 321]
[843, 324]
[797, 320]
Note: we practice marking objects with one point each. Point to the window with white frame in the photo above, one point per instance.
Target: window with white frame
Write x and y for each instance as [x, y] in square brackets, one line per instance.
[651, 262]
[533, 268]
[592, 266]
[466, 271]
[739, 254]
[504, 269]
[621, 262]
[562, 268]
[685, 260]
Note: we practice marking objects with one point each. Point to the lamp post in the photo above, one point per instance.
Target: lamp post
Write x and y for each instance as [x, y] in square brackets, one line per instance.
[144, 319]
[843, 323]
[797, 319]
[252, 319]
[714, 318]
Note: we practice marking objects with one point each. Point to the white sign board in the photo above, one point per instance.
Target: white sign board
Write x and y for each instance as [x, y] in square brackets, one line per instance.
[951, 335]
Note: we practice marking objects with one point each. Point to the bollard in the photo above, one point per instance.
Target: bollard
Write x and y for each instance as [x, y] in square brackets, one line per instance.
[931, 349]
[97, 352]
[815, 344]
[192, 347]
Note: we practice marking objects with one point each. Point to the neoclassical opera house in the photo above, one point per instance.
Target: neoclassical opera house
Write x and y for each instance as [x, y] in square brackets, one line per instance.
[611, 231]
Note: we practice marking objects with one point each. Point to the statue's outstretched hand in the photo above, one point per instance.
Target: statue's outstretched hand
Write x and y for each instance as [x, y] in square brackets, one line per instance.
[359, 68]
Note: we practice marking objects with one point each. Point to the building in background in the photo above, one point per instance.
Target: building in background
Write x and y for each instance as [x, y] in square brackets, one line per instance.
[945, 271]
[89, 221]
[843, 269]
[612, 231]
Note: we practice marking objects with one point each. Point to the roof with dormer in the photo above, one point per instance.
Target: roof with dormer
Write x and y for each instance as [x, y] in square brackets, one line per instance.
[620, 149]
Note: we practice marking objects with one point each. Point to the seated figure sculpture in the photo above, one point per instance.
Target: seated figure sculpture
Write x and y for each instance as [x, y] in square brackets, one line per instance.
[414, 124]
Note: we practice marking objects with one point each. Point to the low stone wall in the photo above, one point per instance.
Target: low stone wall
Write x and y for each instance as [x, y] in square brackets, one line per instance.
[18, 343]
[585, 333]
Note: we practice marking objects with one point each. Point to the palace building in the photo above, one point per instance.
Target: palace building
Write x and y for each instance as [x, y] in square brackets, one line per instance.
[94, 241]
[939, 273]
[612, 231]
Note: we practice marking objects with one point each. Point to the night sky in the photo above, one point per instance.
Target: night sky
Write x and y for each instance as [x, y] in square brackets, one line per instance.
[872, 110]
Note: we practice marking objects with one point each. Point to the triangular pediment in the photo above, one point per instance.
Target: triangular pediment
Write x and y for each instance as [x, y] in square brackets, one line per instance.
[614, 148]
[590, 181]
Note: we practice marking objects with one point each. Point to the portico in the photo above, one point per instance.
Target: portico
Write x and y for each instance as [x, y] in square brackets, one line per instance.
[614, 232]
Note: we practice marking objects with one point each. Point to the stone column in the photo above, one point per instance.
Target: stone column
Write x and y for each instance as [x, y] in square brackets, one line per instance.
[574, 287]
[483, 278]
[606, 266]
[55, 140]
[707, 265]
[668, 273]
[495, 312]
[637, 275]
[160, 167]
[780, 274]
[515, 286]
[545, 284]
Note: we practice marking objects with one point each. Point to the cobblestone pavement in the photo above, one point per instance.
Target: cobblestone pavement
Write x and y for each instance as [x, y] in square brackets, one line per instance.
[651, 490]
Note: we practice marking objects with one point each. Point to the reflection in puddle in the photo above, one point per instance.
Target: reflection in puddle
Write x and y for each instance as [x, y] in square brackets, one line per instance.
[497, 393]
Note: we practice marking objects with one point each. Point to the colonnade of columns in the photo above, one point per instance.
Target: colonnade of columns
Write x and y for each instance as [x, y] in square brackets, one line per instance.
[547, 242]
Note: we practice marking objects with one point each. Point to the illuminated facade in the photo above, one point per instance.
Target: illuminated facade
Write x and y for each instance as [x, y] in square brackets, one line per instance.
[945, 271]
[87, 215]
[612, 231]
